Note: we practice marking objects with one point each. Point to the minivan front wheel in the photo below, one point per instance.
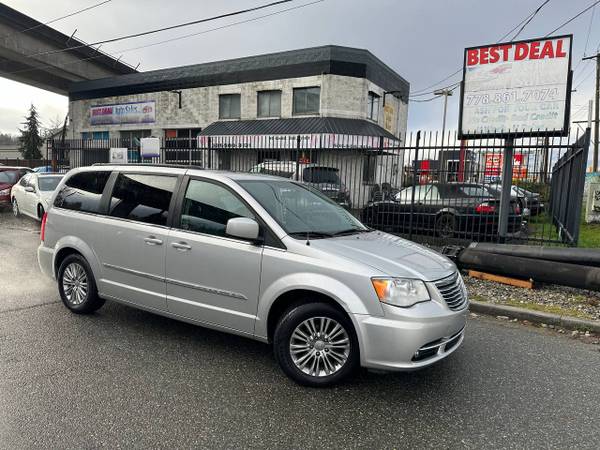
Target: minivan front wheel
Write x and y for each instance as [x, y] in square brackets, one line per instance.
[76, 285]
[315, 345]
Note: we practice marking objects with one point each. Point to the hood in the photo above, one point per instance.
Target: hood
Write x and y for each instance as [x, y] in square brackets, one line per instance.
[389, 254]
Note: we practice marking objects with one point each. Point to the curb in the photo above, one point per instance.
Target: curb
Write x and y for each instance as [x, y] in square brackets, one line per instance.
[568, 322]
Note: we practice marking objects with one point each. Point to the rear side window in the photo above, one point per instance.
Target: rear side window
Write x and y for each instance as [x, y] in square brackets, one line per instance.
[143, 198]
[83, 192]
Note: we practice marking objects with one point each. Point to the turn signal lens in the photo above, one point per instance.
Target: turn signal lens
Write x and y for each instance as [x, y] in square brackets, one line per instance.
[485, 208]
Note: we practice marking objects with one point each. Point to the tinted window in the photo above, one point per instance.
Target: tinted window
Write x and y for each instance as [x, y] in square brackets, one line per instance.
[83, 192]
[9, 176]
[144, 198]
[269, 104]
[327, 175]
[48, 183]
[207, 207]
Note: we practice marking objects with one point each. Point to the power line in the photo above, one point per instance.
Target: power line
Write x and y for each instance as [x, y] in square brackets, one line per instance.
[528, 17]
[172, 27]
[74, 13]
[573, 18]
[167, 40]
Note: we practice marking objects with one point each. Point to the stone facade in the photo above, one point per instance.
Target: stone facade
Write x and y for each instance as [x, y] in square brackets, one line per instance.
[341, 96]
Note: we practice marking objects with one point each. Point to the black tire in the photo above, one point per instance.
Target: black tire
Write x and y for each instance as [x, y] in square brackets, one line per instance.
[79, 305]
[40, 211]
[296, 317]
[445, 226]
[15, 207]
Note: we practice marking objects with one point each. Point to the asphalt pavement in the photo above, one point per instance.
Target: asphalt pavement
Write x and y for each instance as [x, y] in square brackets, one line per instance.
[127, 378]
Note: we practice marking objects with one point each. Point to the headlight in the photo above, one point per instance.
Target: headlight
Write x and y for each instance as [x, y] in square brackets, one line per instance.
[402, 292]
[5, 191]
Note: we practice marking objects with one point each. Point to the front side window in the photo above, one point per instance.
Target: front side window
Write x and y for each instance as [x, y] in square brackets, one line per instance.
[373, 106]
[307, 100]
[300, 210]
[207, 207]
[143, 198]
[83, 192]
[229, 106]
[269, 104]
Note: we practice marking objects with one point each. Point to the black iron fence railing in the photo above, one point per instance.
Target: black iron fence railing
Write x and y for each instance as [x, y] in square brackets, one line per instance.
[426, 187]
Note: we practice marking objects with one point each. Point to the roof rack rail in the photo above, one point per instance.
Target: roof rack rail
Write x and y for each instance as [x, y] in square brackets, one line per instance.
[174, 166]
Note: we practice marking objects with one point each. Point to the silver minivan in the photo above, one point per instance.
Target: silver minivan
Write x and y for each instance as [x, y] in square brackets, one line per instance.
[255, 255]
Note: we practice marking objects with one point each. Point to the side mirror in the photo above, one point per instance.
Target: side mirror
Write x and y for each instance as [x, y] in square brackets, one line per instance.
[243, 228]
[29, 189]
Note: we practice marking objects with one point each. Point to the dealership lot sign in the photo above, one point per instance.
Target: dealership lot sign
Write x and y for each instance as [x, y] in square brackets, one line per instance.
[137, 112]
[516, 88]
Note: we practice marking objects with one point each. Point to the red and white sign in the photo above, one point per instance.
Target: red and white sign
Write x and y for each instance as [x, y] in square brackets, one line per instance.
[516, 88]
[493, 166]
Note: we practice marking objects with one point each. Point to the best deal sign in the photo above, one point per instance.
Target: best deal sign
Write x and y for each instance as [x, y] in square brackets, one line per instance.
[516, 88]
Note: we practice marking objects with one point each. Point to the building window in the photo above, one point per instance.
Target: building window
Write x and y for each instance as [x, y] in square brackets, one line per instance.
[307, 100]
[182, 138]
[269, 104]
[373, 106]
[369, 169]
[96, 135]
[229, 106]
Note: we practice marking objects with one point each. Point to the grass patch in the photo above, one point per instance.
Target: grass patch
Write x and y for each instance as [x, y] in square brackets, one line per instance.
[589, 235]
[552, 309]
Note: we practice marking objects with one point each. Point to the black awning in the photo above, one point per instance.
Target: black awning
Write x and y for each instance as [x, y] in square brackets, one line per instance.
[304, 125]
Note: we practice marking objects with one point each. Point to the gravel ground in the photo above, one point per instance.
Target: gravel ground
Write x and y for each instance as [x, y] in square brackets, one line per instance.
[586, 303]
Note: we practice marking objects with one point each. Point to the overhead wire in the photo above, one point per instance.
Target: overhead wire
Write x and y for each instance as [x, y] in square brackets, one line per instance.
[253, 19]
[171, 27]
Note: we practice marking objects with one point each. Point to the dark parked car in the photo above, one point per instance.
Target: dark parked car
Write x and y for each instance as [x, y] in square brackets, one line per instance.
[446, 210]
[528, 201]
[9, 176]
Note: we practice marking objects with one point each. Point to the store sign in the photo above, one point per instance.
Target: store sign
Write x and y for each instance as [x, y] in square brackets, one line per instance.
[388, 117]
[493, 166]
[138, 112]
[516, 88]
[290, 141]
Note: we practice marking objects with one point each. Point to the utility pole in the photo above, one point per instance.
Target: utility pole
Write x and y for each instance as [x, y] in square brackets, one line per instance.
[597, 111]
[443, 169]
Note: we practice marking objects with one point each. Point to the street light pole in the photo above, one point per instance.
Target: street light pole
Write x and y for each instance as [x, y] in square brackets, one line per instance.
[446, 93]
[597, 111]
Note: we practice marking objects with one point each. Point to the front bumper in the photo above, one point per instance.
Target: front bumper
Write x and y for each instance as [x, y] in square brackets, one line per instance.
[391, 342]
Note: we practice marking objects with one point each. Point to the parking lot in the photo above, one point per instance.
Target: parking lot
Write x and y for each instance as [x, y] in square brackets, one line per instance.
[126, 378]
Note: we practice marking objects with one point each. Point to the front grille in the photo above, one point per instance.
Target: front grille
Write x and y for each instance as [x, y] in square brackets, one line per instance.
[452, 290]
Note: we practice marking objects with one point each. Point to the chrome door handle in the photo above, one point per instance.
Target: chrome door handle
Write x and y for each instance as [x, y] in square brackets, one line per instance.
[181, 246]
[151, 240]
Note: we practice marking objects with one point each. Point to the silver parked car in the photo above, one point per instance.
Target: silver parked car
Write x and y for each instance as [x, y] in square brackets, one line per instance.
[255, 255]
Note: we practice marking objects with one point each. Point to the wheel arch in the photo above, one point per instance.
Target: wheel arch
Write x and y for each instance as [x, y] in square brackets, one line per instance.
[70, 245]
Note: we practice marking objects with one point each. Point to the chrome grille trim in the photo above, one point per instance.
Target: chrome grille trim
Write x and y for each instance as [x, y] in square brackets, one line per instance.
[452, 290]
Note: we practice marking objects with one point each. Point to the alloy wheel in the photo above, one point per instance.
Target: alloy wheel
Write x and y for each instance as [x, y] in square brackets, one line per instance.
[15, 207]
[75, 283]
[319, 346]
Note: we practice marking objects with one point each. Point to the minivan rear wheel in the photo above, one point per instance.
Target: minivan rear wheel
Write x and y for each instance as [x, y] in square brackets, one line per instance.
[77, 287]
[315, 345]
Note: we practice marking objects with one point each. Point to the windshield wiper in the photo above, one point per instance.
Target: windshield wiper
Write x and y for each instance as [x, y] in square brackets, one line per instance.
[311, 234]
[350, 231]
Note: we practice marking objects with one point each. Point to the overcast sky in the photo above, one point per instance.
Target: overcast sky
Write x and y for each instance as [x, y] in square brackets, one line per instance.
[422, 40]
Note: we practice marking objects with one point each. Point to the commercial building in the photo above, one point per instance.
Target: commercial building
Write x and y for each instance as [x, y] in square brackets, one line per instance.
[253, 109]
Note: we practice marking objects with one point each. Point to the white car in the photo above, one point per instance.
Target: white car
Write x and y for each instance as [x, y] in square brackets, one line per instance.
[31, 194]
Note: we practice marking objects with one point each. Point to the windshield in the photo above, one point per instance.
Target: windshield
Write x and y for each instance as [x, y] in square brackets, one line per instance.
[48, 183]
[300, 209]
[327, 175]
[8, 176]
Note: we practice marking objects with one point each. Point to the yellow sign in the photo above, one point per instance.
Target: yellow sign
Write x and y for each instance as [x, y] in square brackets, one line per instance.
[388, 118]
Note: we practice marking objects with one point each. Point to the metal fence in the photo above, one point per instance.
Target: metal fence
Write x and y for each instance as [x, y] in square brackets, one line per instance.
[427, 187]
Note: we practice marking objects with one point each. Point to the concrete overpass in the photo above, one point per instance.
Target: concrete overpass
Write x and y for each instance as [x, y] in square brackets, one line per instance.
[54, 72]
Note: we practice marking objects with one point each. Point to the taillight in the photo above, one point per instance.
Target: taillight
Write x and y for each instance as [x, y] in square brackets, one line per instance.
[43, 228]
[517, 209]
[485, 208]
